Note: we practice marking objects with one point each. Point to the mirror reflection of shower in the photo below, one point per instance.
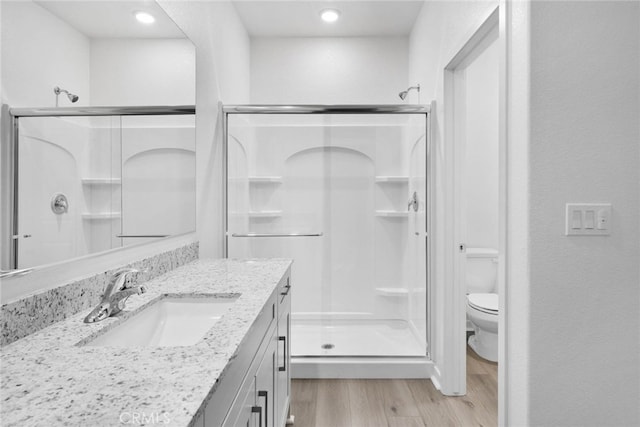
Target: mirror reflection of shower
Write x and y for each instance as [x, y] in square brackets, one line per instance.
[404, 93]
[71, 96]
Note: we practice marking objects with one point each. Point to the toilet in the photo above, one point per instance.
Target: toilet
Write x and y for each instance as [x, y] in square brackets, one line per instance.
[482, 301]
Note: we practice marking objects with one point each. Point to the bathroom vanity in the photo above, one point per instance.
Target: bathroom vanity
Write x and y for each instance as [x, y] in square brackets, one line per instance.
[236, 374]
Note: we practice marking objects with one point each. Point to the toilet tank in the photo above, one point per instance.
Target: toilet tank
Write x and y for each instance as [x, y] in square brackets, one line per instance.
[481, 270]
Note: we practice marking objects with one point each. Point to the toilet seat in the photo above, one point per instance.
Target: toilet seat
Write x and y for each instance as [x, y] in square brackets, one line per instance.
[486, 303]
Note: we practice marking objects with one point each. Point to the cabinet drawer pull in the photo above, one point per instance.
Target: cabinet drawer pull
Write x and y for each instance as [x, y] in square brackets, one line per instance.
[283, 368]
[265, 394]
[285, 293]
[257, 410]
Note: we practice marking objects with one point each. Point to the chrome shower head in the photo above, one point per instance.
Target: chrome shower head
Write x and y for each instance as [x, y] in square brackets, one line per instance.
[71, 96]
[404, 93]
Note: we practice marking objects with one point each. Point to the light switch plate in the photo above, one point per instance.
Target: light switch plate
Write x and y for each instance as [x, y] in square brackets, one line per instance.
[588, 219]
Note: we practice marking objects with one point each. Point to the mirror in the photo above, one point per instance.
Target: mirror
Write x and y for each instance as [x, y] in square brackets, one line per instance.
[98, 162]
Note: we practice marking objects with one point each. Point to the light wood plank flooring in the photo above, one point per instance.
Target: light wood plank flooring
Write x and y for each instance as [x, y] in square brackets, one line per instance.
[397, 403]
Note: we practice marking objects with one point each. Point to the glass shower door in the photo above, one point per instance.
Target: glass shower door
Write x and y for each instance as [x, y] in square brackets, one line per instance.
[330, 192]
[67, 205]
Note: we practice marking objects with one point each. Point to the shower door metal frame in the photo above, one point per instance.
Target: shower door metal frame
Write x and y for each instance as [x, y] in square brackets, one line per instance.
[15, 114]
[301, 109]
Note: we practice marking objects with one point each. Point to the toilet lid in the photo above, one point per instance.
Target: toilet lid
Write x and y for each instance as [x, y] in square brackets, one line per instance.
[485, 302]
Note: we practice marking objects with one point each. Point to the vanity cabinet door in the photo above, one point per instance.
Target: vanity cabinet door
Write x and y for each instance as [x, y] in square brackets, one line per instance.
[266, 383]
[249, 414]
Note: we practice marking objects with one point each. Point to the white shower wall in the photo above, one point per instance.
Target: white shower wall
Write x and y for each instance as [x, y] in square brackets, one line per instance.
[158, 176]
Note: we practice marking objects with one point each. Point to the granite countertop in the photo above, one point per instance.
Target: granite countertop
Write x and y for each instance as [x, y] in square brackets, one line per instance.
[47, 379]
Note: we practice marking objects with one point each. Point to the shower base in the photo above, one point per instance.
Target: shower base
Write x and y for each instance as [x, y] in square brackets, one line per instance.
[360, 348]
[354, 338]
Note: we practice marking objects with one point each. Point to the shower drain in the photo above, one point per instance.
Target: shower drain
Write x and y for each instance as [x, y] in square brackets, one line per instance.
[327, 346]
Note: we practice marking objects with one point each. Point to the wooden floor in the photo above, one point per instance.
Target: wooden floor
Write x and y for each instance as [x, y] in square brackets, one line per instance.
[397, 403]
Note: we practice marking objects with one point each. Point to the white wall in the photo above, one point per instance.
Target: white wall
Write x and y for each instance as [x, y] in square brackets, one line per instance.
[481, 181]
[222, 75]
[584, 293]
[572, 341]
[39, 52]
[349, 70]
[142, 72]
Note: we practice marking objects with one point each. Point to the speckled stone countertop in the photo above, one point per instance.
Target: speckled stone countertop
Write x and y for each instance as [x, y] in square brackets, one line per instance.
[49, 380]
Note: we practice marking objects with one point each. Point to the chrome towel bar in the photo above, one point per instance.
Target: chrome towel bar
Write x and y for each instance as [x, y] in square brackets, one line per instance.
[277, 235]
[123, 236]
[5, 274]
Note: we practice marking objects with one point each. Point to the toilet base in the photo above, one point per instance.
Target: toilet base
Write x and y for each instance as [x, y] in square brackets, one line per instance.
[485, 344]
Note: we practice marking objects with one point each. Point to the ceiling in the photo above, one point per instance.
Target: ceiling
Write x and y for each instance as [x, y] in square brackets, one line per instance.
[113, 19]
[301, 18]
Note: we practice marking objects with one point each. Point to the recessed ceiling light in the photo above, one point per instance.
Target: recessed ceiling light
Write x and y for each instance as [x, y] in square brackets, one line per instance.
[330, 15]
[145, 18]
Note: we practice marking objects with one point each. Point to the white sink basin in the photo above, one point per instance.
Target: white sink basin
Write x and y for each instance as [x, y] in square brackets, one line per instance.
[170, 322]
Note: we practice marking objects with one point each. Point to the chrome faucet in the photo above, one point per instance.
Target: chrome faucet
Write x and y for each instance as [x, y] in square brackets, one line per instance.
[115, 296]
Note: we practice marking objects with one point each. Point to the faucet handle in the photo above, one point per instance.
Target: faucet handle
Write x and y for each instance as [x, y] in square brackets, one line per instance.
[120, 277]
[125, 270]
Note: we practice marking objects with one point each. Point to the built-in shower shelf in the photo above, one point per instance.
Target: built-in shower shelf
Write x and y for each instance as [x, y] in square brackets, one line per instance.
[101, 181]
[257, 180]
[392, 179]
[265, 180]
[264, 214]
[101, 215]
[392, 214]
[392, 292]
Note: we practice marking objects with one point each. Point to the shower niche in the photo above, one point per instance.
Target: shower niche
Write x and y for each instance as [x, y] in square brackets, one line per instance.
[330, 191]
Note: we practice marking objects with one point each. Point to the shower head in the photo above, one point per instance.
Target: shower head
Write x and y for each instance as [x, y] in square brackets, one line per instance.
[71, 96]
[404, 93]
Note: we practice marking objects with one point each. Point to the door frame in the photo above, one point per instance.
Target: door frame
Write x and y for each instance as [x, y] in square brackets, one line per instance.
[453, 366]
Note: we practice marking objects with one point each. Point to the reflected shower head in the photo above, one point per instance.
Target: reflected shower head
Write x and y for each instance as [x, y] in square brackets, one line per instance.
[404, 93]
[71, 96]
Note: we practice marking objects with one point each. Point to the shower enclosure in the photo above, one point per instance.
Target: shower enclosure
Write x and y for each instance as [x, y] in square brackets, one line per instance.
[90, 179]
[342, 191]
